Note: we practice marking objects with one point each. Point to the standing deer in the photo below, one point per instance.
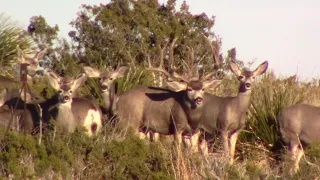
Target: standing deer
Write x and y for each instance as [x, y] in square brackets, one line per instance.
[299, 124]
[74, 111]
[107, 85]
[176, 110]
[227, 114]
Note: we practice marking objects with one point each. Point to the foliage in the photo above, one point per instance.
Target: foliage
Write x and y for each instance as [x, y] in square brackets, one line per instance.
[125, 31]
[11, 35]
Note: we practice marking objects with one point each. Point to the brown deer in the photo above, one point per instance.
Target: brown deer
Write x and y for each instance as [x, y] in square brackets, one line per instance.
[107, 85]
[299, 124]
[74, 111]
[33, 63]
[20, 121]
[227, 114]
[176, 110]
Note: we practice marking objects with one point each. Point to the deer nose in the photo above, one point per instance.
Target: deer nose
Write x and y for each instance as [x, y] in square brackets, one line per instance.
[104, 87]
[64, 98]
[198, 100]
[248, 85]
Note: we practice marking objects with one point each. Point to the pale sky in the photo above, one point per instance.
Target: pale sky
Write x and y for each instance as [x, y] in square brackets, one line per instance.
[286, 32]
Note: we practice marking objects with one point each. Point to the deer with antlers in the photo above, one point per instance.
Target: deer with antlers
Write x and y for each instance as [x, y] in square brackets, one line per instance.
[176, 110]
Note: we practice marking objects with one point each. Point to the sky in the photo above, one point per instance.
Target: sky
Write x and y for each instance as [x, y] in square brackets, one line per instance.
[286, 32]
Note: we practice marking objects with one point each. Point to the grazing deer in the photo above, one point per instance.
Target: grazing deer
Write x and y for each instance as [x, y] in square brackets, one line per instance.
[176, 110]
[299, 124]
[107, 85]
[227, 114]
[74, 111]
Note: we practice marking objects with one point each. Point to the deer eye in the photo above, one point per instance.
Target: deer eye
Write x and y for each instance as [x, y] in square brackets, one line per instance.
[70, 91]
[99, 78]
[241, 77]
[253, 77]
[202, 89]
[111, 78]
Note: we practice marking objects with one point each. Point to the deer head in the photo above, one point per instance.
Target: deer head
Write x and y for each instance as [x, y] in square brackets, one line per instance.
[33, 63]
[245, 76]
[106, 79]
[190, 83]
[66, 87]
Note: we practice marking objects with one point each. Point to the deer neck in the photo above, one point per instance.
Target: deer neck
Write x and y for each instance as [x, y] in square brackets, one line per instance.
[108, 98]
[243, 98]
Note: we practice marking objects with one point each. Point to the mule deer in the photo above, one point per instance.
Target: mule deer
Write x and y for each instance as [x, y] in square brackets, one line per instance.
[33, 63]
[227, 114]
[176, 110]
[107, 85]
[299, 124]
[74, 111]
[21, 121]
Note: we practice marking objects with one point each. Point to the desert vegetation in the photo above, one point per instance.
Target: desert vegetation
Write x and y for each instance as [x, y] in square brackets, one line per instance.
[132, 34]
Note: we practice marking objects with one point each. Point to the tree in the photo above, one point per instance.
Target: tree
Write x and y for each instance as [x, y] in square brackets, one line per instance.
[59, 57]
[124, 31]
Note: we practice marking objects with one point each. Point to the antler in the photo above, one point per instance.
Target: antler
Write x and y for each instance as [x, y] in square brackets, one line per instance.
[215, 52]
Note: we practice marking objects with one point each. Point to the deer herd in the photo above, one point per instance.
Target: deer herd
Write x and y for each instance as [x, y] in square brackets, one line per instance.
[183, 109]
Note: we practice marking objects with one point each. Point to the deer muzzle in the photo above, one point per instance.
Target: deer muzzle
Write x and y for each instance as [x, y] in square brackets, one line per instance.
[247, 85]
[104, 87]
[198, 101]
[64, 99]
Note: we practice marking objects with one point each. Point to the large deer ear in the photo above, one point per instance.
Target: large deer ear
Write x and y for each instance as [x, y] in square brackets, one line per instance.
[176, 86]
[262, 68]
[91, 72]
[53, 79]
[233, 66]
[211, 85]
[120, 72]
[80, 79]
[3, 96]
[20, 54]
[40, 55]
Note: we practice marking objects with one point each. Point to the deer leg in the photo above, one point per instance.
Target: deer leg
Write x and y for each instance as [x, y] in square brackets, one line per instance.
[194, 140]
[296, 155]
[233, 141]
[178, 139]
[204, 147]
[225, 143]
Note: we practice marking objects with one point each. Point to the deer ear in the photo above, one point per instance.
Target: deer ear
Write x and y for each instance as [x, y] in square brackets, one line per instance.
[176, 86]
[20, 53]
[40, 55]
[121, 71]
[233, 66]
[262, 68]
[3, 96]
[91, 72]
[211, 84]
[53, 79]
[80, 79]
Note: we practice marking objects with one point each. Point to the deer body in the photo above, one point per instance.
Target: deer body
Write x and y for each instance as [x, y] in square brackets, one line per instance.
[156, 109]
[299, 123]
[20, 122]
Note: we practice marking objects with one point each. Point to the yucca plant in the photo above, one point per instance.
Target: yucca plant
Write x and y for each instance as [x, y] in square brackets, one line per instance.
[11, 35]
[270, 96]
